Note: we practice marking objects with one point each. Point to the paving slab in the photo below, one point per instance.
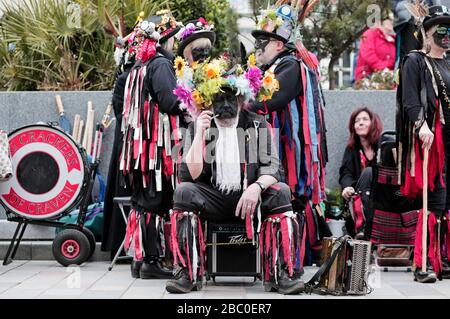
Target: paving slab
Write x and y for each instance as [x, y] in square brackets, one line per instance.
[48, 280]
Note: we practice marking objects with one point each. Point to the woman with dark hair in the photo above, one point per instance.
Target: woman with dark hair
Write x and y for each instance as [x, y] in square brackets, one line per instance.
[355, 174]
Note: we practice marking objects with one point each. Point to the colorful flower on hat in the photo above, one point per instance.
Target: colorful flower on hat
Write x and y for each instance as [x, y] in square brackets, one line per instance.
[187, 31]
[203, 21]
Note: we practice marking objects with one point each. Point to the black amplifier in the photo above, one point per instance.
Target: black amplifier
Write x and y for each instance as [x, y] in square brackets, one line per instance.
[230, 253]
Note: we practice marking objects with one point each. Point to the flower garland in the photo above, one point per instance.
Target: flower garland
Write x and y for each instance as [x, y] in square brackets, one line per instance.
[269, 20]
[198, 84]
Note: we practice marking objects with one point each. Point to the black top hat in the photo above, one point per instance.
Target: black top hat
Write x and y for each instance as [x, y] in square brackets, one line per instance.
[276, 23]
[436, 15]
[195, 29]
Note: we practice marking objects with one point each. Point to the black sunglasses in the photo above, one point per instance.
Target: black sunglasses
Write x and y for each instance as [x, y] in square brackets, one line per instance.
[443, 30]
[261, 43]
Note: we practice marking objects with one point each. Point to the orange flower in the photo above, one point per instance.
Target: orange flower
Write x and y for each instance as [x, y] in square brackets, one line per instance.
[268, 80]
[211, 73]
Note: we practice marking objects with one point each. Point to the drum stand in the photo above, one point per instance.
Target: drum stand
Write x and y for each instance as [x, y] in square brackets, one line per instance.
[121, 201]
[78, 227]
[22, 224]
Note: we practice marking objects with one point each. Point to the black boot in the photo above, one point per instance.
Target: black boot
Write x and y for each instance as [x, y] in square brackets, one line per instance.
[135, 267]
[427, 277]
[445, 269]
[286, 285]
[154, 270]
[181, 284]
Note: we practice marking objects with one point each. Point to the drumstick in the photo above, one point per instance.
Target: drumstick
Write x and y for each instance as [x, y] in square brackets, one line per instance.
[80, 132]
[95, 148]
[100, 142]
[90, 131]
[76, 126]
[87, 126]
[64, 122]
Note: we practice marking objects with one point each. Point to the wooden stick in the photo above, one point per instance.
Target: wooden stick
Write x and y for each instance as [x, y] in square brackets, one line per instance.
[86, 126]
[425, 210]
[59, 104]
[80, 132]
[76, 126]
[90, 131]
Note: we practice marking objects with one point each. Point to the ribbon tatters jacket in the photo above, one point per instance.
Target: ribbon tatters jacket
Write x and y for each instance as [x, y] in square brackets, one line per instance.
[151, 133]
[300, 127]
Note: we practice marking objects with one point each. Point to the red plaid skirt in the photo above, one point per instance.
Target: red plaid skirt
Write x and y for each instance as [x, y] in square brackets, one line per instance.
[394, 228]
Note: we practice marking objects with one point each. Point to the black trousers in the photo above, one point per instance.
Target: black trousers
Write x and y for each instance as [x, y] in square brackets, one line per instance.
[213, 205]
[439, 198]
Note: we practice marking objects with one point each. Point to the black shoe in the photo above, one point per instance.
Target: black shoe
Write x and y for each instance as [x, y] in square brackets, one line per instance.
[428, 277]
[135, 267]
[153, 270]
[181, 284]
[286, 285]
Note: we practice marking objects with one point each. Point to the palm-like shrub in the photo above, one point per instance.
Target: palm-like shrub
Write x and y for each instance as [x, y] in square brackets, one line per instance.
[62, 44]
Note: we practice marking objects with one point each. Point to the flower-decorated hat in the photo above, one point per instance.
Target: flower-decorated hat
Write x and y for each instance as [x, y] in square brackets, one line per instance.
[283, 21]
[275, 23]
[165, 24]
[195, 29]
[198, 85]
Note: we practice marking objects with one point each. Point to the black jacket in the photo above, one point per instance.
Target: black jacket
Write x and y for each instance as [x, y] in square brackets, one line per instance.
[287, 73]
[350, 169]
[416, 102]
[267, 162]
[160, 81]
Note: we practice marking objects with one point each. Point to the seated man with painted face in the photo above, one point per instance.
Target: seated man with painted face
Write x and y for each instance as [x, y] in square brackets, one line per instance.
[230, 170]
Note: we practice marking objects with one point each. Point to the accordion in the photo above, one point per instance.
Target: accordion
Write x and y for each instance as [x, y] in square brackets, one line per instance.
[349, 271]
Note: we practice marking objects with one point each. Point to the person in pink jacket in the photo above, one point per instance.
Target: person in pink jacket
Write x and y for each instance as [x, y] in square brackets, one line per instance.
[376, 51]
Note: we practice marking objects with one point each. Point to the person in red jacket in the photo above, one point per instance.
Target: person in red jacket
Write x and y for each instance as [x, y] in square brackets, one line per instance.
[376, 51]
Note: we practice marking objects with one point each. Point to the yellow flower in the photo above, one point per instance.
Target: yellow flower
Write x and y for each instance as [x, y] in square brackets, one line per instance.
[264, 98]
[197, 97]
[252, 60]
[211, 71]
[194, 65]
[179, 66]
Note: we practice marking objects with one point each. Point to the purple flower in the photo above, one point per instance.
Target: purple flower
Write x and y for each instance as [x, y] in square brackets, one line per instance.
[254, 75]
[187, 31]
[184, 95]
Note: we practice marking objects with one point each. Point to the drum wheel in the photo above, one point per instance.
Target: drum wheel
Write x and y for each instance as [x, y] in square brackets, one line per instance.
[71, 247]
[90, 236]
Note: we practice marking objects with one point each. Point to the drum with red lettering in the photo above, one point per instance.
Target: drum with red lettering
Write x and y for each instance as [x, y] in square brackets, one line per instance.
[50, 173]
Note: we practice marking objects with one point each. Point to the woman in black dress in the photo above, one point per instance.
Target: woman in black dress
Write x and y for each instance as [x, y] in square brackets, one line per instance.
[355, 173]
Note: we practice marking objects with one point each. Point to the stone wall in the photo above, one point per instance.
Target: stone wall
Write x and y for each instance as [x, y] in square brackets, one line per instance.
[22, 108]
